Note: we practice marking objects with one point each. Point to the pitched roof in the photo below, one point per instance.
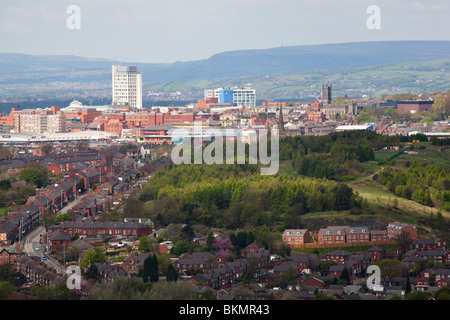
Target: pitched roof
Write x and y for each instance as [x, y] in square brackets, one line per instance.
[356, 230]
[398, 225]
[336, 268]
[376, 248]
[255, 244]
[333, 230]
[80, 244]
[99, 224]
[426, 241]
[338, 252]
[294, 232]
[60, 236]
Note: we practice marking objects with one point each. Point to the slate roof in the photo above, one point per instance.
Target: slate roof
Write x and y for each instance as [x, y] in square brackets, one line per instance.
[59, 236]
[426, 241]
[333, 230]
[338, 252]
[80, 244]
[376, 248]
[294, 232]
[99, 224]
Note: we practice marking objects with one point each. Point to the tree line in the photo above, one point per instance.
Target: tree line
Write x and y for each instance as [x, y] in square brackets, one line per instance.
[434, 186]
[334, 156]
[233, 196]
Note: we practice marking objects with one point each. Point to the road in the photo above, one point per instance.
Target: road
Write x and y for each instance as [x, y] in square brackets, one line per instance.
[71, 204]
[32, 242]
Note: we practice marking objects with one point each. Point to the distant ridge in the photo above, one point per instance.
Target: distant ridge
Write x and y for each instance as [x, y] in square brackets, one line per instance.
[231, 64]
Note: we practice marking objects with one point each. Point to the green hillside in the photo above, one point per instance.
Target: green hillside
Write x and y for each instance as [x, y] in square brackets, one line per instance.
[412, 77]
[295, 72]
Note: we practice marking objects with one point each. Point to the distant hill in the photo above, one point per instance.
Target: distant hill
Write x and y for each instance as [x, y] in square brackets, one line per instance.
[232, 64]
[284, 73]
[422, 76]
[297, 59]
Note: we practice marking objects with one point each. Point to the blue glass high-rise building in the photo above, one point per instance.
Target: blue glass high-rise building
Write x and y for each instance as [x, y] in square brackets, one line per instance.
[226, 96]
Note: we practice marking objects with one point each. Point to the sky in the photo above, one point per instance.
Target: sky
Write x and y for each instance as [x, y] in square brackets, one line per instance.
[185, 30]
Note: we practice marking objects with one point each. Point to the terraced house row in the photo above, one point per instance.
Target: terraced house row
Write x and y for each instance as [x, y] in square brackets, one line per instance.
[106, 228]
[347, 235]
[108, 169]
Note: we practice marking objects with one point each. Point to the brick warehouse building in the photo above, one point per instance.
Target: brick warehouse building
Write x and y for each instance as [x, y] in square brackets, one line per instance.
[417, 106]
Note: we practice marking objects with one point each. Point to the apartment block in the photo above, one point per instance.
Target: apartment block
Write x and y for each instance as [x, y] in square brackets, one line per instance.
[126, 86]
[56, 122]
[245, 97]
[41, 122]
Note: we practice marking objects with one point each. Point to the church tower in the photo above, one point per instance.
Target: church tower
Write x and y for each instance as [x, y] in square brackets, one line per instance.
[326, 93]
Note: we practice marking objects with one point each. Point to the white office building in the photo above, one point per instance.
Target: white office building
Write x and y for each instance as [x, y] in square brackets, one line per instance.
[126, 86]
[244, 97]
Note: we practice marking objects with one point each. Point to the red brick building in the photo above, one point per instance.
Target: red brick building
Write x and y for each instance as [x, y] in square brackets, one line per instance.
[332, 235]
[103, 229]
[295, 237]
[378, 235]
[134, 262]
[157, 134]
[394, 230]
[429, 244]
[337, 256]
[316, 281]
[302, 262]
[189, 262]
[59, 239]
[357, 234]
[86, 115]
[441, 278]
[7, 256]
[316, 116]
[59, 166]
[377, 253]
[416, 106]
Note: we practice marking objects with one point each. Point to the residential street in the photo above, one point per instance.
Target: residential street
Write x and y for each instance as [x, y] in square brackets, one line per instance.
[33, 241]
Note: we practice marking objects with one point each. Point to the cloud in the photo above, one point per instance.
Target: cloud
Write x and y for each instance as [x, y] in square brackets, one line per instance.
[13, 28]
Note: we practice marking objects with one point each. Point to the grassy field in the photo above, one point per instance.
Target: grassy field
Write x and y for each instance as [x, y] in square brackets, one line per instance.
[388, 203]
[377, 195]
[426, 152]
[286, 168]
